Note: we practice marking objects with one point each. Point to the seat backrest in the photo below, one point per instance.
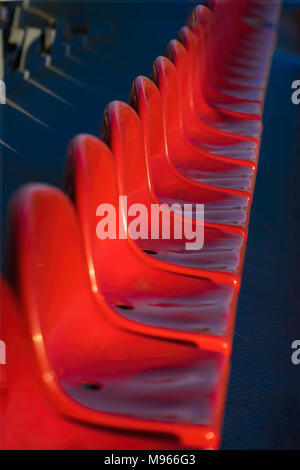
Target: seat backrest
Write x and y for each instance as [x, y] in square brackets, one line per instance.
[177, 101]
[199, 65]
[123, 133]
[69, 330]
[195, 51]
[203, 20]
[146, 100]
[93, 179]
[164, 75]
[177, 53]
[51, 277]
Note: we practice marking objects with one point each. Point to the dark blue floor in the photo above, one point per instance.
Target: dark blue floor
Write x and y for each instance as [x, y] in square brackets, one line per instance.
[263, 407]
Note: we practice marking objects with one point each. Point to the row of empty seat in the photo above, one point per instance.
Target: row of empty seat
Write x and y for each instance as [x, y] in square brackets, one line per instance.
[122, 343]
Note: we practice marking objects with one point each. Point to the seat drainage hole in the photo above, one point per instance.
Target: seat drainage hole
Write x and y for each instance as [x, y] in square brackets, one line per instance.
[202, 330]
[93, 386]
[150, 252]
[124, 306]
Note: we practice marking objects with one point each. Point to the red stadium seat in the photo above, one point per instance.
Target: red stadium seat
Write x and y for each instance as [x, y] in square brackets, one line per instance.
[187, 127]
[89, 159]
[195, 106]
[145, 288]
[165, 159]
[30, 417]
[219, 93]
[224, 209]
[84, 368]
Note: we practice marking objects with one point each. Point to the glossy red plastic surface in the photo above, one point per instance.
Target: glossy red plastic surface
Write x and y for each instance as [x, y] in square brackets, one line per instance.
[168, 150]
[90, 370]
[223, 208]
[121, 343]
[30, 419]
[146, 289]
[193, 99]
[188, 126]
[223, 248]
[237, 57]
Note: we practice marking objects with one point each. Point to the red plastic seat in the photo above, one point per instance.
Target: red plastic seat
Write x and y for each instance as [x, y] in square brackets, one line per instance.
[212, 31]
[85, 368]
[242, 28]
[222, 252]
[244, 35]
[224, 209]
[255, 8]
[186, 127]
[243, 23]
[165, 158]
[192, 304]
[233, 124]
[236, 70]
[231, 97]
[30, 418]
[235, 55]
